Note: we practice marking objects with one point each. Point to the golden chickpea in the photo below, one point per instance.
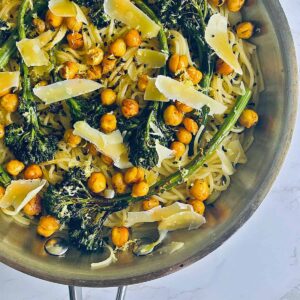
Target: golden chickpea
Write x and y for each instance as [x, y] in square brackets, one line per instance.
[41, 83]
[200, 190]
[69, 70]
[5, 92]
[39, 25]
[150, 203]
[15, 167]
[184, 136]
[223, 68]
[198, 206]
[33, 207]
[47, 226]
[94, 56]
[248, 118]
[235, 5]
[133, 38]
[194, 74]
[118, 48]
[134, 175]
[178, 63]
[108, 123]
[245, 30]
[73, 24]
[107, 160]
[75, 40]
[2, 191]
[108, 97]
[2, 131]
[97, 182]
[71, 139]
[10, 102]
[178, 148]
[53, 20]
[129, 108]
[94, 73]
[140, 189]
[118, 183]
[108, 64]
[119, 236]
[183, 107]
[190, 125]
[91, 149]
[33, 172]
[172, 116]
[143, 82]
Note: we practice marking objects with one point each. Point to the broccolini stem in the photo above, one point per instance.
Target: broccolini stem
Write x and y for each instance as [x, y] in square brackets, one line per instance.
[5, 180]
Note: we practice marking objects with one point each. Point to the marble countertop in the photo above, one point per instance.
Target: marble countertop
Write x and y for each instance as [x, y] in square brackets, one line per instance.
[262, 258]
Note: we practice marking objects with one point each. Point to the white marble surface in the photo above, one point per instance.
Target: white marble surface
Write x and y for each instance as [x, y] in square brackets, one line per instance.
[261, 261]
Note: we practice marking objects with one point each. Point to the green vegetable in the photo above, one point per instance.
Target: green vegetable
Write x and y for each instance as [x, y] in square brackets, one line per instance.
[5, 31]
[5, 180]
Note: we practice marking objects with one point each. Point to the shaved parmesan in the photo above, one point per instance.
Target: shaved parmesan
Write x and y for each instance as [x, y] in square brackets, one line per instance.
[163, 153]
[108, 144]
[216, 36]
[130, 15]
[153, 59]
[46, 37]
[19, 193]
[175, 90]
[9, 80]
[62, 8]
[66, 89]
[152, 93]
[80, 16]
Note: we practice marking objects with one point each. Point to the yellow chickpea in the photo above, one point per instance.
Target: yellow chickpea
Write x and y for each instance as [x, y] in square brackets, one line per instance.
[2, 191]
[75, 40]
[134, 175]
[190, 125]
[143, 82]
[200, 190]
[198, 206]
[107, 160]
[140, 189]
[172, 116]
[33, 207]
[10, 102]
[118, 183]
[108, 123]
[5, 92]
[150, 203]
[15, 167]
[108, 64]
[41, 83]
[178, 63]
[94, 56]
[118, 48]
[129, 108]
[223, 68]
[235, 5]
[73, 24]
[47, 226]
[69, 70]
[33, 172]
[119, 236]
[91, 149]
[133, 38]
[178, 148]
[183, 107]
[108, 97]
[71, 139]
[194, 74]
[2, 131]
[184, 136]
[248, 118]
[39, 25]
[245, 30]
[53, 20]
[97, 182]
[94, 73]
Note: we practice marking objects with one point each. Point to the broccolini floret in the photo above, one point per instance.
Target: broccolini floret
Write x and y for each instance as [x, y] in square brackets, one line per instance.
[5, 179]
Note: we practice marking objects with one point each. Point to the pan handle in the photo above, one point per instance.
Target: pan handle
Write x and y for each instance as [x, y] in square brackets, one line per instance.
[75, 293]
[121, 292]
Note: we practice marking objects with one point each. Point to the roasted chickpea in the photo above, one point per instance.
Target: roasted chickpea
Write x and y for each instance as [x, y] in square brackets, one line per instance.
[178, 148]
[15, 167]
[134, 175]
[97, 182]
[245, 30]
[33, 172]
[53, 20]
[2, 131]
[194, 74]
[118, 48]
[33, 207]
[108, 123]
[133, 38]
[94, 73]
[108, 97]
[41, 83]
[129, 108]
[118, 183]
[172, 116]
[223, 68]
[248, 118]
[69, 70]
[10, 102]
[178, 63]
[150, 203]
[217, 2]
[198, 206]
[71, 139]
[47, 226]
[107, 160]
[142, 82]
[2, 191]
[140, 189]
[184, 136]
[200, 190]
[73, 24]
[235, 5]
[183, 107]
[39, 25]
[94, 56]
[190, 125]
[91, 149]
[108, 64]
[75, 40]
[119, 236]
